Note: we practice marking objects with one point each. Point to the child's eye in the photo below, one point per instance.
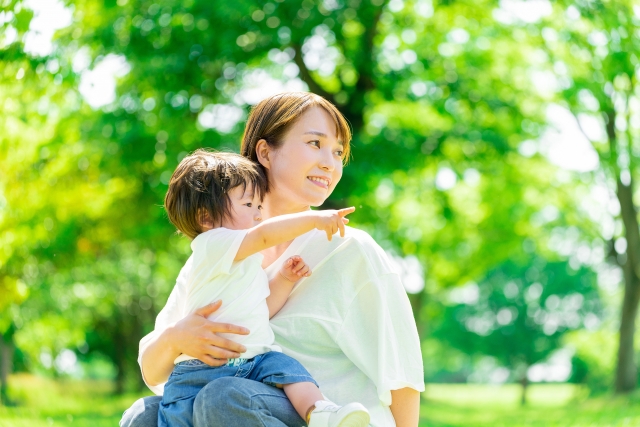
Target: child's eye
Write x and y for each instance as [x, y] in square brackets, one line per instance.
[248, 205]
[260, 207]
[339, 153]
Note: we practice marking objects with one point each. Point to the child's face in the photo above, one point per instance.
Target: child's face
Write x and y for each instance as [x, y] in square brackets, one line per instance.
[246, 209]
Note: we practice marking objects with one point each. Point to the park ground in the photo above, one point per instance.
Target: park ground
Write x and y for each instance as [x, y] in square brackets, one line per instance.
[42, 402]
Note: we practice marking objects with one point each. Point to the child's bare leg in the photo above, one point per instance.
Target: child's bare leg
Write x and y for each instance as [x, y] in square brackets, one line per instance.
[302, 396]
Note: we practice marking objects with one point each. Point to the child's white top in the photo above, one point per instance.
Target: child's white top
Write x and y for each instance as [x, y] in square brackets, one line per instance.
[350, 323]
[210, 274]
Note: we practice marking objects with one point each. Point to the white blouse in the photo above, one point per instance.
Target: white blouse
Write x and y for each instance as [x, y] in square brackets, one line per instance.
[350, 323]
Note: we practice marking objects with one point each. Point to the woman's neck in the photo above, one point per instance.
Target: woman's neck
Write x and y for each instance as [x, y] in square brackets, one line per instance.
[275, 206]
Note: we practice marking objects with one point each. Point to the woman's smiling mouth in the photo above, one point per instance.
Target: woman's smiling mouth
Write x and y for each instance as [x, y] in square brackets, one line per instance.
[320, 181]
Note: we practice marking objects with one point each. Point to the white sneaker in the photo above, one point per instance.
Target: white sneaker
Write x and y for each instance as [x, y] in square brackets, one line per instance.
[328, 414]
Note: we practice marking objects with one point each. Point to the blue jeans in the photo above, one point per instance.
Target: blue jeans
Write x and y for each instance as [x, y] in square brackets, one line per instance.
[188, 378]
[240, 402]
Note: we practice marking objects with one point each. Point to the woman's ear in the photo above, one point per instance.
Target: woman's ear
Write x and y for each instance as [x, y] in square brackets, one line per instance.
[262, 153]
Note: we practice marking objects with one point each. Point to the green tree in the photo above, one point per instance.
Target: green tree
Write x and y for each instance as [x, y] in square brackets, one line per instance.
[592, 49]
[519, 312]
[446, 85]
[58, 210]
[439, 98]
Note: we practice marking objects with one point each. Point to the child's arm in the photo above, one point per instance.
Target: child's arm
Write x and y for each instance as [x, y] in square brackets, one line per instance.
[283, 228]
[280, 286]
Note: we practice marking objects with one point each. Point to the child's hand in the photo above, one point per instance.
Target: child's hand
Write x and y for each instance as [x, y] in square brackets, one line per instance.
[331, 220]
[294, 268]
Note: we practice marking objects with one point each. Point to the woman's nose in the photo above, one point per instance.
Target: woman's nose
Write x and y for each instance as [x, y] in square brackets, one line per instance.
[326, 161]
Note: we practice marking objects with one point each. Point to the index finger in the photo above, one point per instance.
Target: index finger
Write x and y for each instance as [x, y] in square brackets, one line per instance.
[346, 211]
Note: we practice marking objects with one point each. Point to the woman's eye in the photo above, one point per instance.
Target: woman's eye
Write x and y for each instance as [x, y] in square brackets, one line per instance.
[339, 153]
[315, 143]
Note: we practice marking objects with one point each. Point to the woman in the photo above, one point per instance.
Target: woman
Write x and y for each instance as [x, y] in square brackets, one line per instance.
[349, 324]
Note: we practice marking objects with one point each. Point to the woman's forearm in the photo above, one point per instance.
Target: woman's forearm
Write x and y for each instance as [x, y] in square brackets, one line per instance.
[194, 335]
[405, 407]
[157, 358]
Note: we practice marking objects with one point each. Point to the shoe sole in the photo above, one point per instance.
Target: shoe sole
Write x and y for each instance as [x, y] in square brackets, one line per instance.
[355, 419]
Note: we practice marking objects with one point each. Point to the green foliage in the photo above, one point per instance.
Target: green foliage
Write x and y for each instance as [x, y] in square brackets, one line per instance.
[593, 361]
[433, 91]
[519, 313]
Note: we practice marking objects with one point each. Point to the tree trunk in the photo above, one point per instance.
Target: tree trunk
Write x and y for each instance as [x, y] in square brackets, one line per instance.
[134, 338]
[417, 302]
[524, 382]
[626, 378]
[120, 353]
[3, 376]
[6, 362]
[626, 371]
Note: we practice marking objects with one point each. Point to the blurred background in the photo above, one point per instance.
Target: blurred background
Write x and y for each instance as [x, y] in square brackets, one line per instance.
[496, 144]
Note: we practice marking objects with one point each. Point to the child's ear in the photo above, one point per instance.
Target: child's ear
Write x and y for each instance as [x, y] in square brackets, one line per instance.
[204, 220]
[262, 153]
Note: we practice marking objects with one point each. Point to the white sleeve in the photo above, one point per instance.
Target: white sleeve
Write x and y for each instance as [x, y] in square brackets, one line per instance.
[380, 337]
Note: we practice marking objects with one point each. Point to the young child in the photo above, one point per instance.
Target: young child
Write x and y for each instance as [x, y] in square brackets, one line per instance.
[214, 199]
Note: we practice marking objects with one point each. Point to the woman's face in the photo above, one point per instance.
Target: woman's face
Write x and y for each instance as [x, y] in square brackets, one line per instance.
[308, 165]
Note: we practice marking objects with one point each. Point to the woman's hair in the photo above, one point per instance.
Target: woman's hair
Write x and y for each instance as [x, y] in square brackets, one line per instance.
[200, 185]
[273, 117]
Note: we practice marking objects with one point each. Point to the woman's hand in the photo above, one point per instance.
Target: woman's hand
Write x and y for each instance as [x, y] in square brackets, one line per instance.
[198, 337]
[194, 335]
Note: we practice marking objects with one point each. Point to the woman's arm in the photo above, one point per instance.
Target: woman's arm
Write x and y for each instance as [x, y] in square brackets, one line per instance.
[405, 407]
[380, 322]
[194, 335]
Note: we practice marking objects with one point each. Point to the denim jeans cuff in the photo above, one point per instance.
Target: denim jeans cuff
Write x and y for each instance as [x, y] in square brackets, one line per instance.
[275, 380]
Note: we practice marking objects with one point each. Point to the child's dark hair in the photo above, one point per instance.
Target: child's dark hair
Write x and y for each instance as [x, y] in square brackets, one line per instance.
[200, 186]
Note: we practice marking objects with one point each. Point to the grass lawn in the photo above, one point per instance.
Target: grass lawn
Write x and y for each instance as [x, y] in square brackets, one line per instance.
[44, 403]
[549, 405]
